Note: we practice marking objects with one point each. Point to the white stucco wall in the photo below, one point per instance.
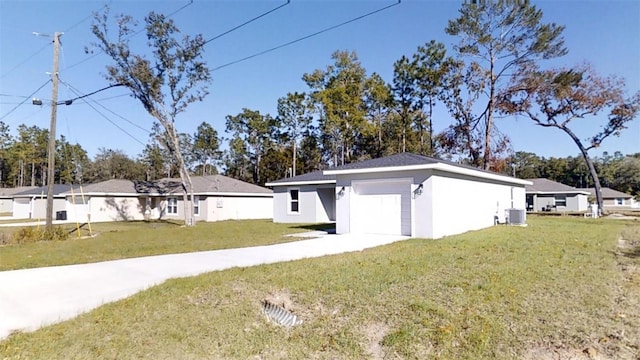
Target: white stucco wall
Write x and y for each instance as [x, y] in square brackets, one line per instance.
[462, 204]
[218, 208]
[115, 208]
[6, 205]
[310, 206]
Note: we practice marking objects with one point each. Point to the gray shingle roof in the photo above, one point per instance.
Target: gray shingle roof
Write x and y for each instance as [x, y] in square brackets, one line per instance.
[201, 184]
[541, 185]
[312, 177]
[58, 189]
[608, 193]
[401, 159]
[221, 183]
[8, 192]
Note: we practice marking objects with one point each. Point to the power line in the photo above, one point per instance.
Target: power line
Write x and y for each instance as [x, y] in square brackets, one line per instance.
[44, 47]
[246, 23]
[101, 114]
[128, 37]
[24, 61]
[305, 37]
[25, 100]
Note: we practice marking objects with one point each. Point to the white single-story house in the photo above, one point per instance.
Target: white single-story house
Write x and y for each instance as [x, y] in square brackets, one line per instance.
[217, 197]
[6, 197]
[548, 195]
[614, 199]
[32, 203]
[404, 194]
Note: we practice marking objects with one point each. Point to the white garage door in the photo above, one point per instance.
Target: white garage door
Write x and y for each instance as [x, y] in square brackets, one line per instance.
[381, 207]
[21, 208]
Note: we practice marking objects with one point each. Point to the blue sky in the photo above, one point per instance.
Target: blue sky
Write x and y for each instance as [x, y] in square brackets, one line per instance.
[605, 34]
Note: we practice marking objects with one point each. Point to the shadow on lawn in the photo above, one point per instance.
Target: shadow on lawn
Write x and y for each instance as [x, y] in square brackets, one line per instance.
[632, 253]
[329, 227]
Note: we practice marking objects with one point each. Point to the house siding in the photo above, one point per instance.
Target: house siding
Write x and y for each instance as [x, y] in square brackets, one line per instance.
[111, 208]
[461, 203]
[220, 208]
[309, 205]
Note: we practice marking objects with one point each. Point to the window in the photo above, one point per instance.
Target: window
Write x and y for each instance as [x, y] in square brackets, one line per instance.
[619, 201]
[294, 201]
[172, 205]
[561, 200]
[196, 205]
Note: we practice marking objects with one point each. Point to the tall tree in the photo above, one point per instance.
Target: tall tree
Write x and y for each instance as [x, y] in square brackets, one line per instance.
[430, 66]
[295, 117]
[5, 143]
[339, 93]
[554, 98]
[404, 91]
[256, 131]
[206, 147]
[498, 39]
[165, 85]
[378, 101]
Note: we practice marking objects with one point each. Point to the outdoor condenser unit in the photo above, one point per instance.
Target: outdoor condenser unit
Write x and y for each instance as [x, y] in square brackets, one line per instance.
[517, 216]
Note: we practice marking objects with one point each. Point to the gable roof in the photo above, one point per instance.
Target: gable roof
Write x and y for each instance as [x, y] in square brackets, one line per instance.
[58, 189]
[9, 192]
[408, 161]
[608, 193]
[213, 184]
[546, 186]
[316, 177]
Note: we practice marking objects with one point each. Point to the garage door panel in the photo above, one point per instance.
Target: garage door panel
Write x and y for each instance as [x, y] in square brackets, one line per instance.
[381, 208]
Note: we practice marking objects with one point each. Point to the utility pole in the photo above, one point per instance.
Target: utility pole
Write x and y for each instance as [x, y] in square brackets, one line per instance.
[52, 132]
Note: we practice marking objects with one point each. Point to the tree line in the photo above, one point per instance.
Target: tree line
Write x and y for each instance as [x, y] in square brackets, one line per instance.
[496, 69]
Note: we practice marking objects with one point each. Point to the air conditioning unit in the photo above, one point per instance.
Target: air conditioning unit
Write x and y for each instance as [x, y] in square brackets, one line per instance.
[517, 216]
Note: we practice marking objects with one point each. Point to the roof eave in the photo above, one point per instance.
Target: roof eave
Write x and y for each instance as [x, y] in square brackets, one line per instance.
[437, 166]
[299, 183]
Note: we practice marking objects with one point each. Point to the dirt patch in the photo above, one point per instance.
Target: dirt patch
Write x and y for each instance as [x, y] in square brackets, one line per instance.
[545, 353]
[374, 333]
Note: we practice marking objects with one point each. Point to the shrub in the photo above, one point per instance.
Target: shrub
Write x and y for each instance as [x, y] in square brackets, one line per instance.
[33, 234]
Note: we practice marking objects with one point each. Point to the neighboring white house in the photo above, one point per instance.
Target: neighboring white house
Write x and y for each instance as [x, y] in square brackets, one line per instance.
[548, 195]
[32, 203]
[614, 199]
[6, 197]
[407, 194]
[217, 198]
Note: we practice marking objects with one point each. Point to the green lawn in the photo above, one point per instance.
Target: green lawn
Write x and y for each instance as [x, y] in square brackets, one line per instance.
[557, 289]
[133, 239]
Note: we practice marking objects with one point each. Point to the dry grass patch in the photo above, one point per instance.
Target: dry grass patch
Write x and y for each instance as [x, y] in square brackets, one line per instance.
[501, 293]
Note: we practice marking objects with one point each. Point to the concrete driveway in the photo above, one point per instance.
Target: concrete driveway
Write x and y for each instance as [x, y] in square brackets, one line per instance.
[32, 298]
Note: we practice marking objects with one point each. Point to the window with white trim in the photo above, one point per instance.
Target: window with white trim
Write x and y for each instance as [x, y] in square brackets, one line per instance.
[172, 205]
[196, 205]
[561, 200]
[619, 201]
[294, 201]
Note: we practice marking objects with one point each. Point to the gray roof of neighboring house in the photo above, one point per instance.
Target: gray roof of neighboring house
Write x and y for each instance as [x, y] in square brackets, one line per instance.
[608, 193]
[225, 184]
[541, 185]
[9, 192]
[201, 184]
[312, 177]
[58, 189]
